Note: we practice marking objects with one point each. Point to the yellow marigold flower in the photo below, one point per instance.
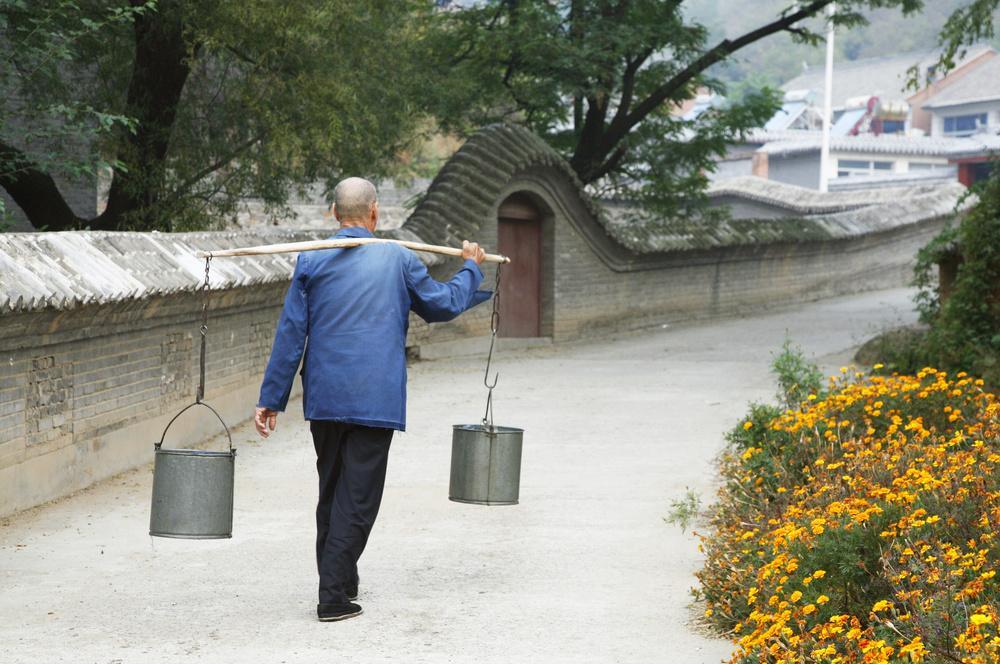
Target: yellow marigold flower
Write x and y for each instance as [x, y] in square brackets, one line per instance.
[878, 366]
[978, 619]
[915, 649]
[819, 574]
[880, 605]
[708, 613]
[796, 596]
[747, 425]
[812, 397]
[808, 608]
[822, 599]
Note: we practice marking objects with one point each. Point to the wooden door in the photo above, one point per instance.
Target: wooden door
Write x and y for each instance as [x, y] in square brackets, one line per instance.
[519, 235]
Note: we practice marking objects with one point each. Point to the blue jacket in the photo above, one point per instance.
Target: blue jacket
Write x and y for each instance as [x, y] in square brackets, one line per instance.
[352, 305]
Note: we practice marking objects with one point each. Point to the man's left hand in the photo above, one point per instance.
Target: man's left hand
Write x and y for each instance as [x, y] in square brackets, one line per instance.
[266, 420]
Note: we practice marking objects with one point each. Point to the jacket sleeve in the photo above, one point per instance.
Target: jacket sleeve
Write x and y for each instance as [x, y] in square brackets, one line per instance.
[437, 302]
[289, 342]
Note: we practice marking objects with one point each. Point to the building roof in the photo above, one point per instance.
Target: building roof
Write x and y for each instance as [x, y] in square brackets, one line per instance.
[883, 77]
[796, 200]
[981, 83]
[789, 143]
[786, 116]
[815, 216]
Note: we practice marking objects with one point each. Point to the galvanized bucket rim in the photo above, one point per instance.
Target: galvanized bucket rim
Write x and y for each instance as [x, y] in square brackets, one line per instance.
[486, 429]
[200, 453]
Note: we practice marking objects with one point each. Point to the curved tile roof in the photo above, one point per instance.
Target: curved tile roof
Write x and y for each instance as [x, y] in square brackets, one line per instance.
[70, 269]
[467, 188]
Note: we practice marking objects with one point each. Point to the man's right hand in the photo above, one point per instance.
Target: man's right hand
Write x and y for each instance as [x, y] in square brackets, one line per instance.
[471, 251]
[265, 420]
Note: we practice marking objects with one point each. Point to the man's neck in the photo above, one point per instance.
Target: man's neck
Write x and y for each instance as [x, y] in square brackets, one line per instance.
[348, 224]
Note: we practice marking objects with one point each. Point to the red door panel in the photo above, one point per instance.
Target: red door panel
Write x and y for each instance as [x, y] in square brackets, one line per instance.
[520, 282]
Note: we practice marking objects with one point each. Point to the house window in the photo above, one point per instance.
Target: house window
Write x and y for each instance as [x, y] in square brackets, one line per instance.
[893, 126]
[851, 167]
[963, 125]
[925, 166]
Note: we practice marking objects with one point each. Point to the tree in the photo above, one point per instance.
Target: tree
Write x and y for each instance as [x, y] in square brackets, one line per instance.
[194, 106]
[968, 25]
[600, 79]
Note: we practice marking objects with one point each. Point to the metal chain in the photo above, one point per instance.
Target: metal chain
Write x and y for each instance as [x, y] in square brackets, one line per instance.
[204, 331]
[494, 326]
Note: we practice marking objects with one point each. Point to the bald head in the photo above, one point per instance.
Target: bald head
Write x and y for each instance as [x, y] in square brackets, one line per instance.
[353, 199]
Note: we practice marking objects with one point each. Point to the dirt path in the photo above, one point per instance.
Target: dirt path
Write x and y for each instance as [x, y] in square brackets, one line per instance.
[583, 570]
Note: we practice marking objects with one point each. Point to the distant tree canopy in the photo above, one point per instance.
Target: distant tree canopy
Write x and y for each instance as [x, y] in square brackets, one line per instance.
[601, 81]
[776, 60]
[970, 24]
[195, 105]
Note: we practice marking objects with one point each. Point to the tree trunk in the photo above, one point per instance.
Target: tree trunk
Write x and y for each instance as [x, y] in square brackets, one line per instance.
[159, 72]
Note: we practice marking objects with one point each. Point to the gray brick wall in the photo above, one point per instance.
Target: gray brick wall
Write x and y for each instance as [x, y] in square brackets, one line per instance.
[85, 393]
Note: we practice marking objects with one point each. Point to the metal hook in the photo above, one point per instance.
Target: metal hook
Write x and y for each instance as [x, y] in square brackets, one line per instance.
[486, 378]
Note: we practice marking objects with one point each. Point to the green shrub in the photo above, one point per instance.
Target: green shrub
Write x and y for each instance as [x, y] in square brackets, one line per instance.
[964, 332]
[797, 377]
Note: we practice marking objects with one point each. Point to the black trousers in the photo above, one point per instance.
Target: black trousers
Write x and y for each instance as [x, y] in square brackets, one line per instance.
[351, 461]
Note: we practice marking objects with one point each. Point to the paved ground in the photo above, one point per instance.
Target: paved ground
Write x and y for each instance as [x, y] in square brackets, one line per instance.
[583, 570]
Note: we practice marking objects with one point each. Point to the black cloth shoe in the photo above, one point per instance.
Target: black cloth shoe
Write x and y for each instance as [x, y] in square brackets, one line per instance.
[334, 612]
[352, 594]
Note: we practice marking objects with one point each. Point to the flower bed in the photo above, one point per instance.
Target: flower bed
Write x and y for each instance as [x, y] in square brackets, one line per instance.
[861, 526]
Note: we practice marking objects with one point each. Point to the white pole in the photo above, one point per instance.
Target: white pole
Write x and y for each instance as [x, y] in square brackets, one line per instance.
[824, 152]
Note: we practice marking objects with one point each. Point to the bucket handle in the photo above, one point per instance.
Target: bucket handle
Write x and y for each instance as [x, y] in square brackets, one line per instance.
[197, 403]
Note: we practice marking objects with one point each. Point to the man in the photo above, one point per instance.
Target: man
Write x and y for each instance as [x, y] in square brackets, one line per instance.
[352, 306]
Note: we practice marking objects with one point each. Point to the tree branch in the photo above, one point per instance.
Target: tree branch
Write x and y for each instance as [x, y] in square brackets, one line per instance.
[36, 192]
[159, 72]
[716, 54]
[628, 88]
[611, 163]
[597, 142]
[472, 43]
[180, 190]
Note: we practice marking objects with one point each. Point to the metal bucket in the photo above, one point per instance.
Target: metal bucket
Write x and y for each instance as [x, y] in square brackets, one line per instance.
[193, 490]
[485, 464]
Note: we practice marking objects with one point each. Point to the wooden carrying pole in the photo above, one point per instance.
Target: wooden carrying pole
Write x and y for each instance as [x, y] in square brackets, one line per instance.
[315, 245]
